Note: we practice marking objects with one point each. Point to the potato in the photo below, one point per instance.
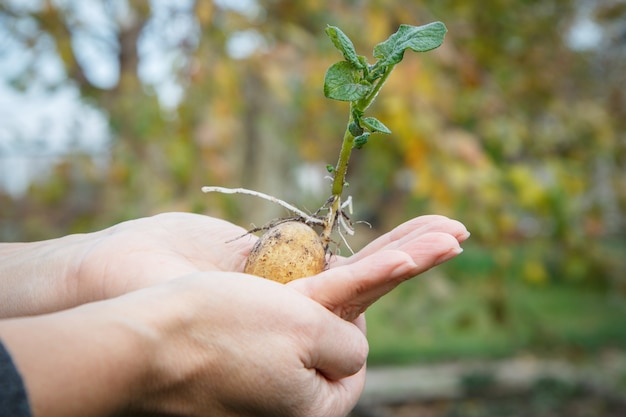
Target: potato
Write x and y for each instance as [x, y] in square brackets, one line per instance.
[288, 251]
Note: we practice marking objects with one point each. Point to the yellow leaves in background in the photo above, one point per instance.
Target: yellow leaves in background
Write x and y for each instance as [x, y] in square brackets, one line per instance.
[529, 190]
[204, 11]
[378, 28]
[534, 272]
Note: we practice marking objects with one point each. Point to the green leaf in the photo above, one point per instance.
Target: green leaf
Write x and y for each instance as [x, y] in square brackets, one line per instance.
[345, 46]
[343, 82]
[361, 140]
[375, 125]
[416, 38]
[354, 129]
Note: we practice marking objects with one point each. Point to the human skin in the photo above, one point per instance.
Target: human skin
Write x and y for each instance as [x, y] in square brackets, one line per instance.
[154, 316]
[47, 276]
[207, 344]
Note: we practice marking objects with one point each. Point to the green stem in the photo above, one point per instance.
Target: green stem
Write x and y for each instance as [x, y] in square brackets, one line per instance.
[338, 182]
[348, 140]
[344, 158]
[365, 102]
[341, 169]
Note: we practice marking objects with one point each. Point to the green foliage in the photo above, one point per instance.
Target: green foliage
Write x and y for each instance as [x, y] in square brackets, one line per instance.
[374, 125]
[341, 82]
[356, 81]
[361, 140]
[346, 47]
[416, 38]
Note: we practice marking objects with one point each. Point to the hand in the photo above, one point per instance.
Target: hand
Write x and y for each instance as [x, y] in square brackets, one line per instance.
[139, 253]
[264, 350]
[52, 275]
[208, 344]
[144, 252]
[206, 340]
[155, 249]
[353, 284]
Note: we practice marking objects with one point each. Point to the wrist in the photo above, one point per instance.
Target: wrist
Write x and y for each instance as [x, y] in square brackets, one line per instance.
[90, 360]
[40, 277]
[165, 319]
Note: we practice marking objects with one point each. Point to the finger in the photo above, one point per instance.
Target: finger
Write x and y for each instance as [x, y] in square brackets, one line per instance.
[340, 349]
[349, 289]
[410, 230]
[346, 393]
[340, 396]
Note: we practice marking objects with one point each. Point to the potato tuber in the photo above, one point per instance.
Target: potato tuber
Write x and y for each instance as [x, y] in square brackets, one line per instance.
[287, 251]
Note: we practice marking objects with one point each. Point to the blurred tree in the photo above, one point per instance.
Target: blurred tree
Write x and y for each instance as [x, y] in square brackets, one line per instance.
[508, 126]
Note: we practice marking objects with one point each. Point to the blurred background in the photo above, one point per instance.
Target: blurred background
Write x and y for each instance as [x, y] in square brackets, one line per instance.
[516, 126]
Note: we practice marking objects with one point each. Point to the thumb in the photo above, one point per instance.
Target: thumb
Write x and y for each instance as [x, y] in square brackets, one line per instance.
[348, 290]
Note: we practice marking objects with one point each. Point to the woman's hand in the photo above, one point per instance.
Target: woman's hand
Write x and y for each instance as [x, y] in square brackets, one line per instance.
[139, 253]
[146, 251]
[66, 272]
[209, 344]
[47, 276]
[353, 284]
[171, 339]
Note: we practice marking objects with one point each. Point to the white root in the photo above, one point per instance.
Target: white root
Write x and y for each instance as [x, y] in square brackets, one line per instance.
[345, 242]
[347, 203]
[347, 227]
[343, 225]
[295, 210]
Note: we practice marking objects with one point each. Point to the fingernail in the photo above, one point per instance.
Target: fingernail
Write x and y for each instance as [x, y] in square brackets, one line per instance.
[404, 269]
[449, 255]
[464, 236]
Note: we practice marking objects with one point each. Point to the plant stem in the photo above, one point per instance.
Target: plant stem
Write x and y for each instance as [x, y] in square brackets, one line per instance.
[365, 102]
[344, 158]
[341, 169]
[338, 183]
[348, 139]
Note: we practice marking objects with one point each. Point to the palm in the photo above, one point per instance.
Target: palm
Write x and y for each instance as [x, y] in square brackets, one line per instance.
[151, 250]
[148, 251]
